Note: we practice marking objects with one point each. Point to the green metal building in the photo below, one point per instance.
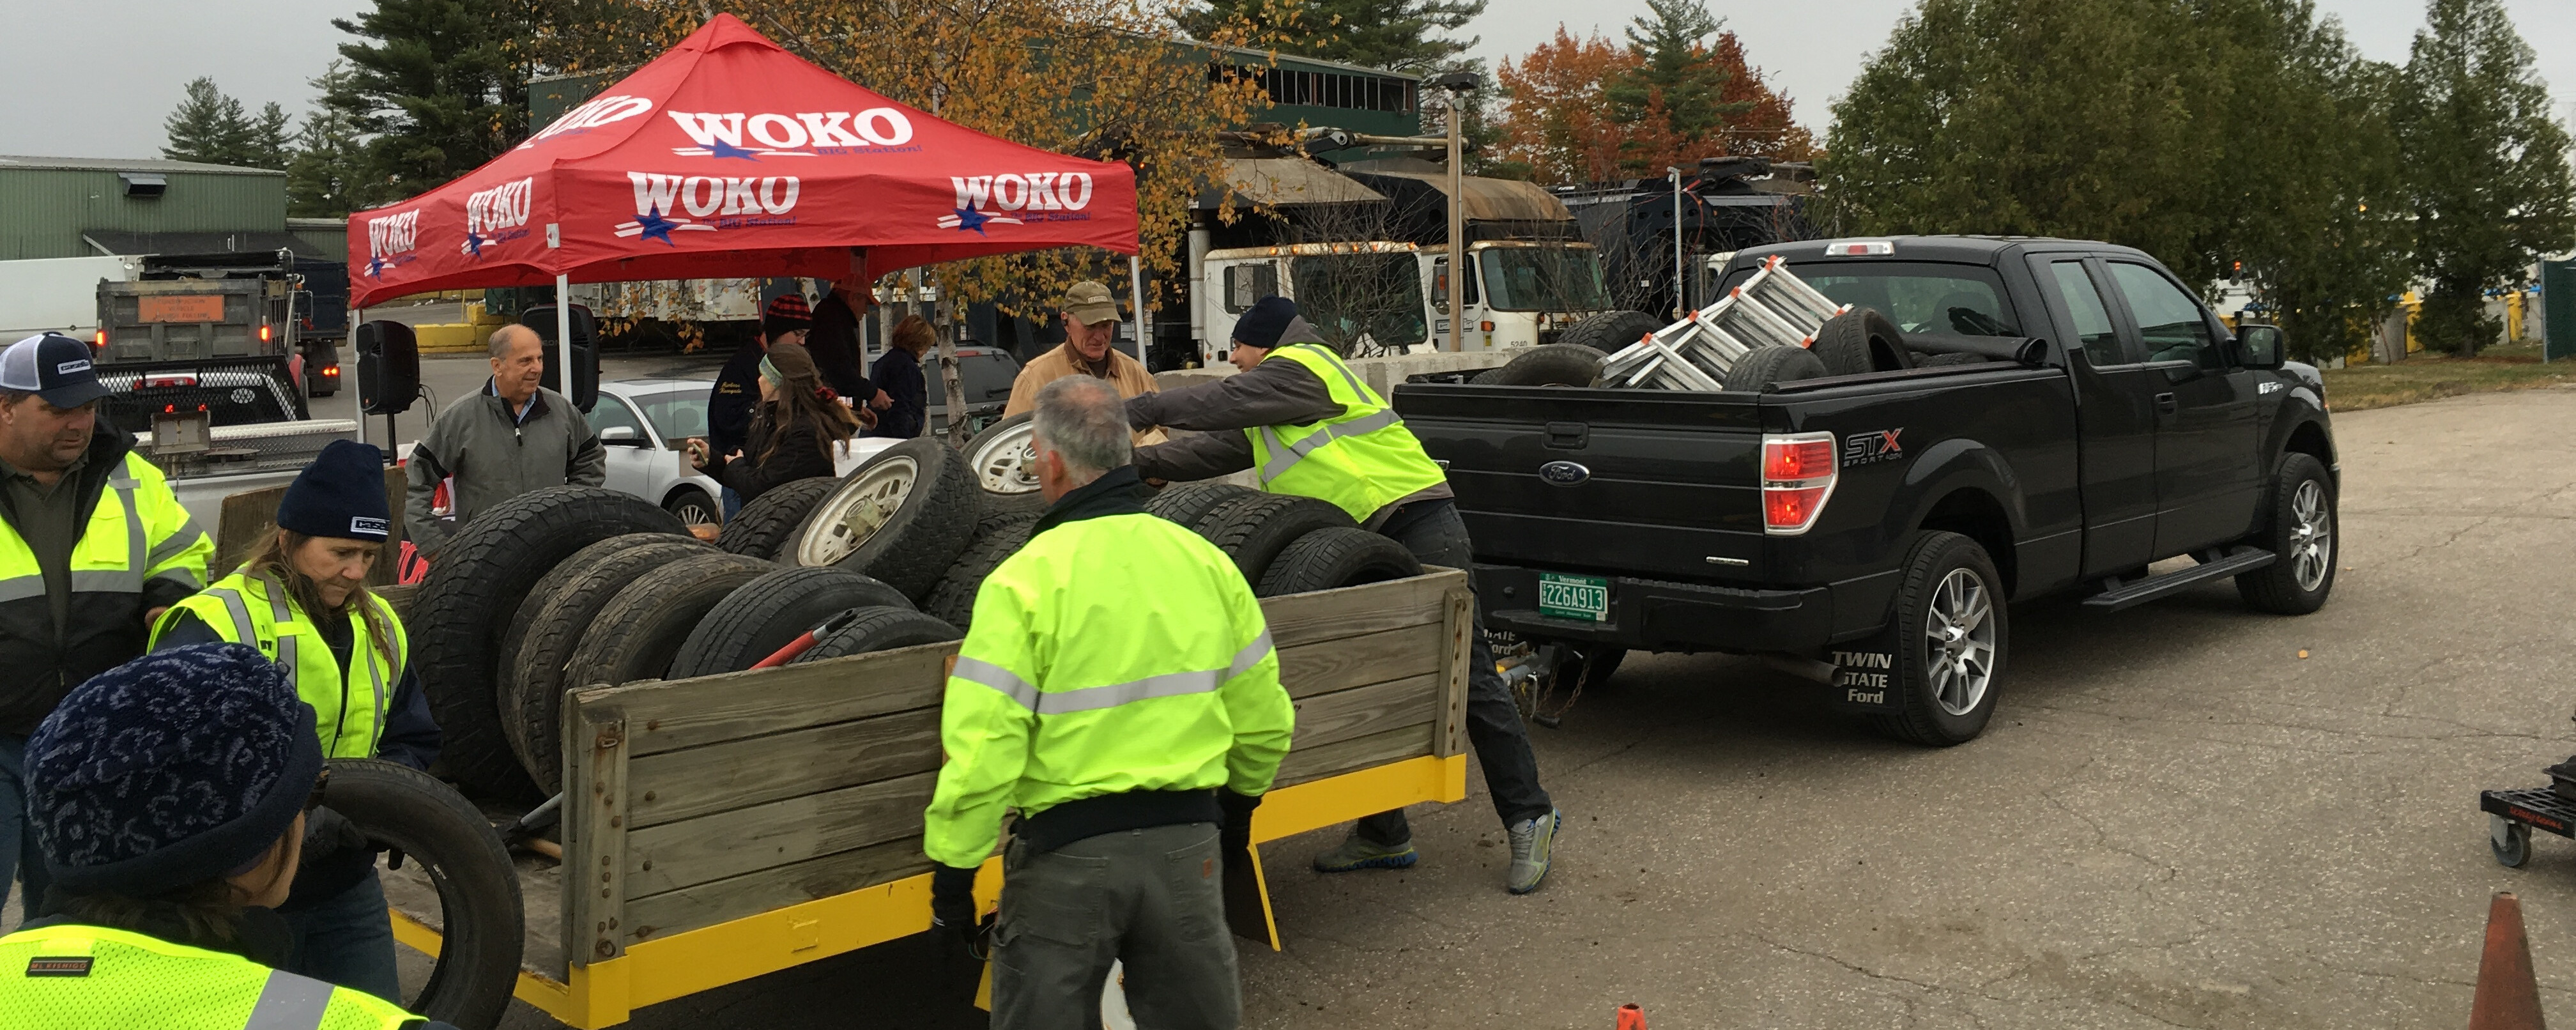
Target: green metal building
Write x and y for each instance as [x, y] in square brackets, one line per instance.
[59, 207]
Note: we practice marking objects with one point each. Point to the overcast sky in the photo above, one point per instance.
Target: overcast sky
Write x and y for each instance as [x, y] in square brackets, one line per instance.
[111, 70]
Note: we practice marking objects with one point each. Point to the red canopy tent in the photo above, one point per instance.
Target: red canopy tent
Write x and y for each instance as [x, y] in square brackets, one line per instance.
[730, 157]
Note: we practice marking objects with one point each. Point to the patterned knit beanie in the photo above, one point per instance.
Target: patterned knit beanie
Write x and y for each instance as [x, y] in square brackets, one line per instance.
[177, 767]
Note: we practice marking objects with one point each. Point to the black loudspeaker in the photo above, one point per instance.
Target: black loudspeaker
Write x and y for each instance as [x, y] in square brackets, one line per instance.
[585, 352]
[388, 368]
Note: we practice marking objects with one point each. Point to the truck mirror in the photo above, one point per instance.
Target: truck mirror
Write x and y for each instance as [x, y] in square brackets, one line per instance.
[2259, 346]
[388, 368]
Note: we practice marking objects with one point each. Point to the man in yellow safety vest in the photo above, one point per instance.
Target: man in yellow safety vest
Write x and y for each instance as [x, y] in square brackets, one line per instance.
[1307, 425]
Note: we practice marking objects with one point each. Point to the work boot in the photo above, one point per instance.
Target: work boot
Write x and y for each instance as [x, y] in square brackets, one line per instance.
[1359, 852]
[1531, 841]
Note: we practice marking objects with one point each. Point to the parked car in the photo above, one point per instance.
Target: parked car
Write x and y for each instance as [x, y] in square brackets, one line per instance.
[641, 423]
[985, 373]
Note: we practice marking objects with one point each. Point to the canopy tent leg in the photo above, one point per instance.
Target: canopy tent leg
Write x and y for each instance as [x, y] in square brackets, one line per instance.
[357, 396]
[563, 334]
[1136, 288]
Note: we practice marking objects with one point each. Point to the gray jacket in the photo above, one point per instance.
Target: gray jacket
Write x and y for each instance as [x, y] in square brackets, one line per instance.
[1272, 393]
[494, 457]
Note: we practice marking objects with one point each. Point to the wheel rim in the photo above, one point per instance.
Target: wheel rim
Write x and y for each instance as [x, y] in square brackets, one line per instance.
[695, 512]
[2311, 536]
[1007, 462]
[1959, 642]
[855, 512]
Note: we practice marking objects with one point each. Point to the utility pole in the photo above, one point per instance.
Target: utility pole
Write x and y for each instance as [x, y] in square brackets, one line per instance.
[1681, 300]
[1458, 85]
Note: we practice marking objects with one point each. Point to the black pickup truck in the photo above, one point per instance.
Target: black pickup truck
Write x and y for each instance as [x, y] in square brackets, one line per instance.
[1880, 522]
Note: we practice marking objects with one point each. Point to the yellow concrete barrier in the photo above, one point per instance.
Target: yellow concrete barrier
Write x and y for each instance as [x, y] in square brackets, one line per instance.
[450, 338]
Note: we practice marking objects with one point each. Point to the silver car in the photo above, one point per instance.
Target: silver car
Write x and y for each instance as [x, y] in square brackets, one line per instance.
[641, 423]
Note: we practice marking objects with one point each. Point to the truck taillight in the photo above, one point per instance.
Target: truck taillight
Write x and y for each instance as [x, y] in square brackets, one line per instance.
[263, 334]
[331, 372]
[1798, 472]
[98, 340]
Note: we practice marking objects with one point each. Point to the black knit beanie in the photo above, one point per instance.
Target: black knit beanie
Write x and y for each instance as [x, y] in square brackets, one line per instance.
[342, 494]
[1267, 319]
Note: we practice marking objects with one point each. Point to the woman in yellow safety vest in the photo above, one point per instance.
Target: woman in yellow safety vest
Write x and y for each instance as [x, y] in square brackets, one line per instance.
[302, 600]
[169, 796]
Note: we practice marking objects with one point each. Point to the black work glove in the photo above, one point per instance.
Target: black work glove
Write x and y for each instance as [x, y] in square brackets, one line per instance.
[1234, 836]
[337, 856]
[327, 833]
[952, 905]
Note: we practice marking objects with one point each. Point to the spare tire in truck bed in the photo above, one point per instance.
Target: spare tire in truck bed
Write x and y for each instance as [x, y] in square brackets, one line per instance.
[552, 618]
[1861, 340]
[448, 848]
[472, 595]
[1764, 366]
[1253, 530]
[1328, 559]
[1553, 364]
[769, 613]
[1612, 331]
[902, 517]
[768, 524]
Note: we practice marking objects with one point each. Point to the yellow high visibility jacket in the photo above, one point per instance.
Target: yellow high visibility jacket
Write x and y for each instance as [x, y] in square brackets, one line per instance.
[138, 550]
[1361, 461]
[71, 977]
[1113, 653]
[261, 613]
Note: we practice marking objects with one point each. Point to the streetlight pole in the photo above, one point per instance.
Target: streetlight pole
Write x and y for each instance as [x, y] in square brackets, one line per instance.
[1681, 299]
[1457, 85]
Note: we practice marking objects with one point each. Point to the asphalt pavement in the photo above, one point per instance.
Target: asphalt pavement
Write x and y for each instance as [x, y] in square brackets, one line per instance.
[2176, 820]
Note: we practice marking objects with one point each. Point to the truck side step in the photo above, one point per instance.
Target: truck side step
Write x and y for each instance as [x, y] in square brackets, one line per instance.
[2141, 591]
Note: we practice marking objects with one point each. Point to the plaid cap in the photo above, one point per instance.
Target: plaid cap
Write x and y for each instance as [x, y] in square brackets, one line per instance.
[52, 366]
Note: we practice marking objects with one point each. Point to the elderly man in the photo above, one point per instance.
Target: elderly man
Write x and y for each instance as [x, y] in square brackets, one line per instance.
[93, 546]
[1118, 690]
[1090, 332]
[513, 438]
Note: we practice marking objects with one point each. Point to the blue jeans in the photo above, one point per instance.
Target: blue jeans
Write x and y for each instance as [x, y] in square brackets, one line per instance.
[18, 854]
[732, 502]
[348, 940]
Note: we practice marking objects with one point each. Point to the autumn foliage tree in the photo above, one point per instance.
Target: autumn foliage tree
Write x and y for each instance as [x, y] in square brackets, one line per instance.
[1581, 110]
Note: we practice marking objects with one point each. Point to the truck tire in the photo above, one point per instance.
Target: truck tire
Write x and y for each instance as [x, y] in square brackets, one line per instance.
[1764, 366]
[1943, 691]
[1004, 459]
[482, 923]
[1335, 557]
[639, 632]
[879, 629]
[471, 597]
[2298, 528]
[768, 524]
[769, 613]
[1253, 530]
[533, 652]
[1189, 503]
[1611, 331]
[996, 538]
[1554, 364]
[1861, 340]
[903, 517]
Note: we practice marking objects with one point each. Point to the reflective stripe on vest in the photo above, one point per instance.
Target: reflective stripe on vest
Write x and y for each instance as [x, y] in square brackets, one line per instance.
[319, 679]
[140, 556]
[289, 1002]
[1361, 460]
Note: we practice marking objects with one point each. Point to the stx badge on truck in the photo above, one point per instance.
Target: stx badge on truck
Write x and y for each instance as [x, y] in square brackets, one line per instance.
[1871, 447]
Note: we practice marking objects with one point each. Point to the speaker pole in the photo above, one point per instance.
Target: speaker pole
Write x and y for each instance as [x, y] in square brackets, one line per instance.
[358, 397]
[563, 335]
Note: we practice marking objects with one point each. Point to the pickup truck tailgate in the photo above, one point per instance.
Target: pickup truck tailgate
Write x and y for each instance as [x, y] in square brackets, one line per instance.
[1647, 483]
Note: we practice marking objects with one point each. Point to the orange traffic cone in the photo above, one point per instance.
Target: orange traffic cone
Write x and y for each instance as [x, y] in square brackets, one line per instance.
[2508, 995]
[1631, 1017]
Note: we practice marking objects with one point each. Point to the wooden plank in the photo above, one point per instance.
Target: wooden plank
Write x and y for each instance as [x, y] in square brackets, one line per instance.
[594, 826]
[1329, 665]
[1459, 623]
[731, 843]
[1350, 611]
[696, 781]
[661, 915]
[667, 715]
[1361, 711]
[1357, 753]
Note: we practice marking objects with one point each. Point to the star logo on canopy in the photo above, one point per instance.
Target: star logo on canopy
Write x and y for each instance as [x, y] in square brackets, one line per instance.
[657, 227]
[474, 243]
[720, 148]
[376, 267]
[969, 218]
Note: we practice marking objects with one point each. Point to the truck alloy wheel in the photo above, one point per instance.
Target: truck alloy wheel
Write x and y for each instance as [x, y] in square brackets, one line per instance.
[1959, 635]
[2298, 528]
[855, 512]
[1950, 636]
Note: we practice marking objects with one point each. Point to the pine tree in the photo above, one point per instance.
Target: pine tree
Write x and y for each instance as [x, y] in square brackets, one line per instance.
[208, 126]
[1674, 98]
[438, 86]
[1398, 35]
[269, 140]
[2487, 164]
[322, 180]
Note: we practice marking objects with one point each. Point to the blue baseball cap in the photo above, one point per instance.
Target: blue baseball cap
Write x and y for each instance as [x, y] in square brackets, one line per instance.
[52, 366]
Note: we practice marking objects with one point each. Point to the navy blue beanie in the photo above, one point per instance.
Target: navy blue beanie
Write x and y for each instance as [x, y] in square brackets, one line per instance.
[1265, 321]
[341, 494]
[177, 767]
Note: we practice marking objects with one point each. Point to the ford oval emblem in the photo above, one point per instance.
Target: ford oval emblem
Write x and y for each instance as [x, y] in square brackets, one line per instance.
[1563, 473]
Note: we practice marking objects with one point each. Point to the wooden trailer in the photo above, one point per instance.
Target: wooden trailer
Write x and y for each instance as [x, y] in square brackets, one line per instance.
[719, 828]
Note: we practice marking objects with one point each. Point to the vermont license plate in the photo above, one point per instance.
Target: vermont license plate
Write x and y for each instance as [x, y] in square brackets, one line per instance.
[1574, 597]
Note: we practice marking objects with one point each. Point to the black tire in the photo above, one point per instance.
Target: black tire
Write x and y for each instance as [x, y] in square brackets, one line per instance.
[769, 613]
[560, 607]
[2277, 588]
[878, 629]
[1922, 715]
[471, 597]
[639, 632]
[1945, 360]
[1861, 340]
[1334, 557]
[996, 538]
[1009, 480]
[482, 923]
[768, 524]
[913, 546]
[693, 507]
[1611, 331]
[1253, 530]
[1764, 366]
[1555, 364]
[1187, 504]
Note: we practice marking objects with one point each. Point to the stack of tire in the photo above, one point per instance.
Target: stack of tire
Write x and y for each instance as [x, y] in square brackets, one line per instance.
[1284, 544]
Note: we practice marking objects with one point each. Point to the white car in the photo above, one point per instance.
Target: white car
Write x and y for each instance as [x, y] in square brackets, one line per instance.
[641, 423]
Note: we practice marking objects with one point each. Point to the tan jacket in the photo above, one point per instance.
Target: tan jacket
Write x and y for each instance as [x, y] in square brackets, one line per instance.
[1125, 373]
